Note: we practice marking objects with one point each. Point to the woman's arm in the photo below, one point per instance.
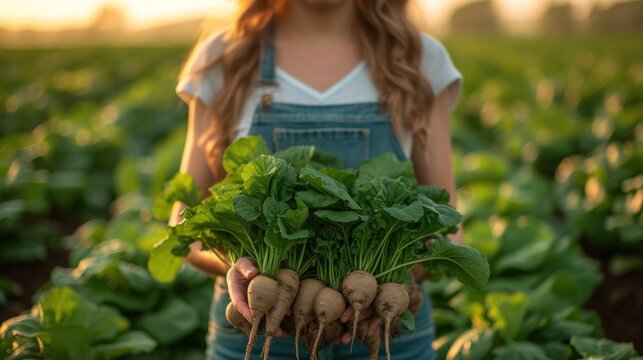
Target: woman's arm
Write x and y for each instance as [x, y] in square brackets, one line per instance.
[433, 163]
[194, 163]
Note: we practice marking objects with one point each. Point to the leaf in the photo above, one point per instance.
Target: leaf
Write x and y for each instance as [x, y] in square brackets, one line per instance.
[101, 293]
[26, 325]
[558, 292]
[272, 208]
[162, 264]
[258, 174]
[507, 312]
[66, 342]
[408, 320]
[479, 236]
[283, 184]
[341, 217]
[384, 165]
[65, 307]
[604, 349]
[171, 323]
[286, 233]
[128, 343]
[326, 184]
[322, 159]
[243, 151]
[295, 218]
[410, 213]
[446, 215]
[297, 156]
[121, 275]
[437, 194]
[249, 208]
[315, 199]
[520, 351]
[563, 330]
[473, 344]
[381, 192]
[180, 188]
[524, 246]
[345, 176]
[467, 264]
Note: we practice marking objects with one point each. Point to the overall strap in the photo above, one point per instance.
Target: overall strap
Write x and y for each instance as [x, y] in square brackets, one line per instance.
[267, 59]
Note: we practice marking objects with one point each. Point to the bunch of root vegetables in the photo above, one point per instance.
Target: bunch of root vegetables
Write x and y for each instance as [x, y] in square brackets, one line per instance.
[323, 238]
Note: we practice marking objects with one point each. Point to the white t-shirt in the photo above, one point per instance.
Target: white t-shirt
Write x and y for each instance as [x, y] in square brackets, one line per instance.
[355, 87]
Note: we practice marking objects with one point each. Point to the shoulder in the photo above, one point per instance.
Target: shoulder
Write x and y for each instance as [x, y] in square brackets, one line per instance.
[206, 50]
[199, 78]
[436, 64]
[432, 47]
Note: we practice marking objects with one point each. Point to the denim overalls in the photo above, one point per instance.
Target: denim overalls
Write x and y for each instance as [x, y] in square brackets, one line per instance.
[353, 132]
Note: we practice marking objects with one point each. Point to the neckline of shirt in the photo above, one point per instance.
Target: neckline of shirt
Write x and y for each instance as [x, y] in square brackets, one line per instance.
[330, 91]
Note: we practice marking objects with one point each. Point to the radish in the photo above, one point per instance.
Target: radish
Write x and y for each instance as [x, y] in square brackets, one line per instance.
[331, 332]
[359, 287]
[329, 306]
[372, 342]
[303, 307]
[391, 301]
[237, 320]
[288, 282]
[263, 293]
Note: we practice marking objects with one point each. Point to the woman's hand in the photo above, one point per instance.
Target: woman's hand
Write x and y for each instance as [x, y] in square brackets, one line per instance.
[238, 278]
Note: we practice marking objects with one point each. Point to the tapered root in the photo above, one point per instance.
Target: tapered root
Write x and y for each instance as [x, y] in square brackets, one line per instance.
[288, 283]
[329, 306]
[391, 301]
[262, 296]
[303, 307]
[359, 287]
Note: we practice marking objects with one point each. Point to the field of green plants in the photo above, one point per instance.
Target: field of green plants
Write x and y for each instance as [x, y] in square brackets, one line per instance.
[547, 138]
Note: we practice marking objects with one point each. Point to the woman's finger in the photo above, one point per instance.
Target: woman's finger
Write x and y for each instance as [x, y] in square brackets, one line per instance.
[238, 288]
[374, 326]
[347, 314]
[246, 267]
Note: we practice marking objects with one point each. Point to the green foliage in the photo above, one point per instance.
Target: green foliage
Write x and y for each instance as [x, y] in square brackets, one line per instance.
[252, 212]
[605, 349]
[544, 156]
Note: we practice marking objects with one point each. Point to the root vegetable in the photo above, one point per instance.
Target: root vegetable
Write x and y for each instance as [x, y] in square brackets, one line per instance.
[416, 298]
[331, 332]
[329, 306]
[236, 319]
[391, 301]
[262, 296]
[288, 282]
[303, 307]
[372, 342]
[359, 287]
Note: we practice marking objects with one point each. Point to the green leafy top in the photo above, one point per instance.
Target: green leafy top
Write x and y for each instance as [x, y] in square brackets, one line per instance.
[284, 210]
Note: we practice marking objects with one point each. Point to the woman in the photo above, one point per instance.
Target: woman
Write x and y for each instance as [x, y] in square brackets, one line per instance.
[352, 77]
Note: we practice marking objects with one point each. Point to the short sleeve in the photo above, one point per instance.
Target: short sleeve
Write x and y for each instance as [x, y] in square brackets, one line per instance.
[202, 84]
[438, 67]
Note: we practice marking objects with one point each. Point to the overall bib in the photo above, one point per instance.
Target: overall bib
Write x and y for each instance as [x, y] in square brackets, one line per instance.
[352, 132]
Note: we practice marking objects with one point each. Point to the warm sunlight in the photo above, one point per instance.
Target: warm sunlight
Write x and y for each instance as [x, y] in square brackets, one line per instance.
[49, 15]
[53, 15]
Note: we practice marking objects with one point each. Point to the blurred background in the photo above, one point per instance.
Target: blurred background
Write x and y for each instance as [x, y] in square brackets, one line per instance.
[547, 139]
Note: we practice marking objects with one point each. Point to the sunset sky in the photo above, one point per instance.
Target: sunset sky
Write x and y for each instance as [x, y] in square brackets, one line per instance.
[48, 14]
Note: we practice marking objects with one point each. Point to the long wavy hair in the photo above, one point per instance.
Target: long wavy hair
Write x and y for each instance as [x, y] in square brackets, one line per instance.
[388, 40]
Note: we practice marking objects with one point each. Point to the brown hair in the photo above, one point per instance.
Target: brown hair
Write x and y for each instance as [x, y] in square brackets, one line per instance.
[388, 40]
